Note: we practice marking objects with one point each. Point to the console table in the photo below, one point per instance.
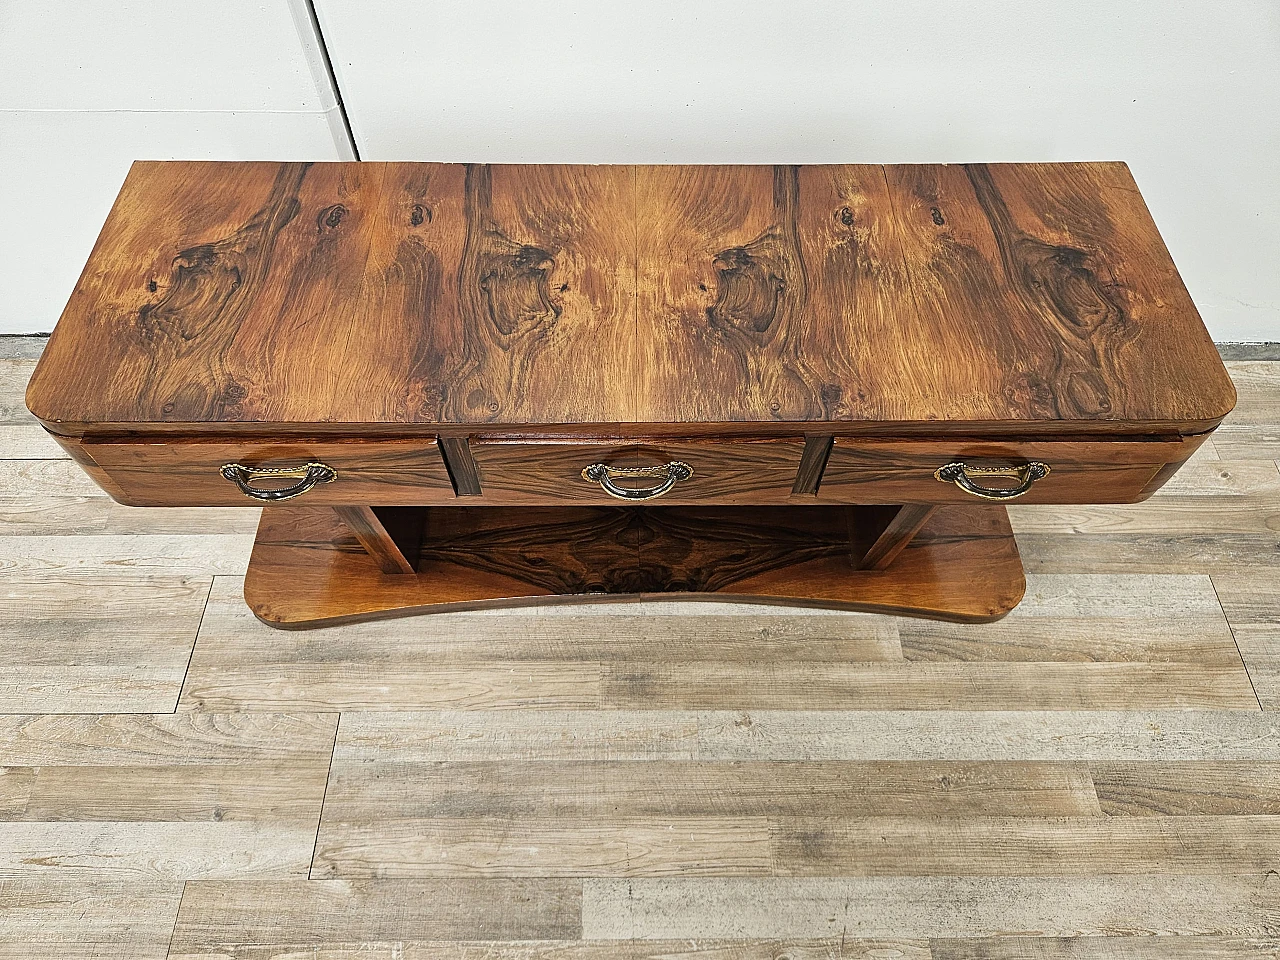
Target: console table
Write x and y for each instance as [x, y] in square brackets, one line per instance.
[467, 384]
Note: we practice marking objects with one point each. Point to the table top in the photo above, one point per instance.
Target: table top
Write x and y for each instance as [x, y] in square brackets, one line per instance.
[330, 297]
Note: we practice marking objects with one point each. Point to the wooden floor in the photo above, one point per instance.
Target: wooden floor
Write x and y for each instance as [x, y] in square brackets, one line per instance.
[1096, 776]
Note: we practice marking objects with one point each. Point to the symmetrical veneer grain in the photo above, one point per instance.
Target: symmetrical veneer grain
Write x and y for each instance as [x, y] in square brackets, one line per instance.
[229, 294]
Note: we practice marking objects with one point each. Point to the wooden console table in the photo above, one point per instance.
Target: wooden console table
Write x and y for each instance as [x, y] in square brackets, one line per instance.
[462, 385]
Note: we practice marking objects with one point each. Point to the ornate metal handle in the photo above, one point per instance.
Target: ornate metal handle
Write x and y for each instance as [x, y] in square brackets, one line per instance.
[307, 475]
[672, 473]
[961, 474]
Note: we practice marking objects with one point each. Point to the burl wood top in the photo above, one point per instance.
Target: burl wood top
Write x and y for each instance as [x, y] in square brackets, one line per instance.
[289, 296]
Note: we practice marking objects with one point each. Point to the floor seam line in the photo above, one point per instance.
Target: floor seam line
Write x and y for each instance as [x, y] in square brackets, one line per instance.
[168, 952]
[194, 640]
[315, 846]
[1240, 653]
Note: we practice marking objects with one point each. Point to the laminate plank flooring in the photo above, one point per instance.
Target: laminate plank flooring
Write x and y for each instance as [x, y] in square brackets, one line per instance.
[1106, 948]
[927, 907]
[96, 641]
[164, 797]
[1098, 775]
[28, 441]
[102, 919]
[1252, 600]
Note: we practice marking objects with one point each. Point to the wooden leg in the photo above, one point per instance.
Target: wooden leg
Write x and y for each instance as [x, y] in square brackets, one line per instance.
[391, 535]
[878, 542]
[308, 569]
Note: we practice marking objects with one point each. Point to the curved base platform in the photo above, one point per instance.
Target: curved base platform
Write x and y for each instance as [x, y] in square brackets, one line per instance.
[309, 568]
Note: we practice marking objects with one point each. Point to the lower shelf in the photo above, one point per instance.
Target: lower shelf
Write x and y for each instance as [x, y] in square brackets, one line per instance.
[308, 569]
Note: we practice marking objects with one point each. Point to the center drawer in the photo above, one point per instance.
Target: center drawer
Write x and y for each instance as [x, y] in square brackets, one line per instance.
[547, 472]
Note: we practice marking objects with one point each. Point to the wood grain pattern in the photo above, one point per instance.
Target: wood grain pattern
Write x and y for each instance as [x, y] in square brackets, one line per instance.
[1041, 686]
[485, 719]
[872, 471]
[1019, 847]
[187, 332]
[393, 537]
[1254, 432]
[39, 514]
[1106, 948]
[461, 466]
[166, 740]
[1218, 519]
[1187, 788]
[194, 793]
[1237, 906]
[555, 660]
[542, 285]
[1252, 602]
[28, 441]
[509, 471]
[812, 462]
[538, 472]
[405, 472]
[381, 783]
[15, 375]
[312, 913]
[68, 918]
[798, 948]
[150, 799]
[178, 555]
[237, 645]
[90, 641]
[722, 291]
[840, 732]
[884, 542]
[355, 295]
[1091, 618]
[306, 569]
[55, 478]
[562, 846]
[724, 472]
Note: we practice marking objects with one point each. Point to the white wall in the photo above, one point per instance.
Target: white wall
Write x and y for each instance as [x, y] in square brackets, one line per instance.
[86, 87]
[1187, 92]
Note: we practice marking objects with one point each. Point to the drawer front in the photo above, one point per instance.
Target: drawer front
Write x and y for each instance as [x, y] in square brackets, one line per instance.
[406, 472]
[1096, 471]
[548, 473]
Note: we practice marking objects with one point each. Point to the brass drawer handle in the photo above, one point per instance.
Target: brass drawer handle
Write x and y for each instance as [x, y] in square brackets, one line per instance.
[307, 475]
[672, 473]
[961, 475]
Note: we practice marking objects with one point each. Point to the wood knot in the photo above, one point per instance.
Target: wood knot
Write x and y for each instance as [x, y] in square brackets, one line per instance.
[419, 215]
[846, 216]
[331, 216]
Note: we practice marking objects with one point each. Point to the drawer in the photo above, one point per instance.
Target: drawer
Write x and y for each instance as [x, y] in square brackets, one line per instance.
[188, 473]
[1093, 471]
[550, 472]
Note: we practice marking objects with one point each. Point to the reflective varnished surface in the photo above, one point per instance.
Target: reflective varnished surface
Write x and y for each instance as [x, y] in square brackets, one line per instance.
[347, 297]
[309, 569]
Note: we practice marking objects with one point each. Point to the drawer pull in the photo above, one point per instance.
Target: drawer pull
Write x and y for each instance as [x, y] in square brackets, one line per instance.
[671, 474]
[307, 475]
[961, 474]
